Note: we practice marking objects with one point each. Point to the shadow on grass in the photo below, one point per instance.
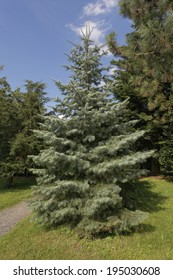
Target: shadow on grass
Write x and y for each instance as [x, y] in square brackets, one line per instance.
[141, 196]
[168, 178]
[141, 228]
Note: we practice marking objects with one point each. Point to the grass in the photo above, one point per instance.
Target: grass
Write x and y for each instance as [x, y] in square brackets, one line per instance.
[20, 191]
[153, 240]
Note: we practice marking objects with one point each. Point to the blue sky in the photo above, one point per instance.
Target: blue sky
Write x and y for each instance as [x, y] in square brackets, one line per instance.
[35, 34]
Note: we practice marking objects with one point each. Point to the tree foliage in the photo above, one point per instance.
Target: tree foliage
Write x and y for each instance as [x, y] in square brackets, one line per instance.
[145, 68]
[19, 115]
[88, 156]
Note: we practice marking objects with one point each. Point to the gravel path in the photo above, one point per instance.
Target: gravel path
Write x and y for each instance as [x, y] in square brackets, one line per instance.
[11, 216]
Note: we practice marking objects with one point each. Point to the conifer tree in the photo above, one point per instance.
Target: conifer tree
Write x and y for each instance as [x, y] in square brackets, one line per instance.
[30, 108]
[8, 129]
[89, 152]
[147, 76]
[19, 114]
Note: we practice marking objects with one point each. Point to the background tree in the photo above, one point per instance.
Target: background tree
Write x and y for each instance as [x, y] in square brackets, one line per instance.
[88, 157]
[31, 108]
[19, 115]
[145, 71]
[8, 127]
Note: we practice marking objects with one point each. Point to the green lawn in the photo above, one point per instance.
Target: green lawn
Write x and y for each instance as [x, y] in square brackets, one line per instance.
[20, 191]
[154, 240]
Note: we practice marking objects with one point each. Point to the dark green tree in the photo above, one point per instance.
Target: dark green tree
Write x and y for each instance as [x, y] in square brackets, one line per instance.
[89, 152]
[8, 129]
[145, 70]
[31, 108]
[166, 152]
[19, 114]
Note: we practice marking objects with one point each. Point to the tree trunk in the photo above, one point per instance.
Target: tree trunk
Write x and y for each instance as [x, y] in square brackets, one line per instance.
[9, 182]
[155, 167]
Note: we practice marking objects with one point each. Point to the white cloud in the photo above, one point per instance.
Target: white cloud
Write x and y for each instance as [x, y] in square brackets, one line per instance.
[98, 28]
[102, 84]
[99, 7]
[112, 70]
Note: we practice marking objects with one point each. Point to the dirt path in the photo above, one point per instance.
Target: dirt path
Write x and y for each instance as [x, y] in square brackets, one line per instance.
[11, 216]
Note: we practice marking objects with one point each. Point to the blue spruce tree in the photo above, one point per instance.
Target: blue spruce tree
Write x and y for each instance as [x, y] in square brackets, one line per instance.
[88, 155]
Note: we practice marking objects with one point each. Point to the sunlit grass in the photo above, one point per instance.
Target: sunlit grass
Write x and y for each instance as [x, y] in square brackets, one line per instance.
[20, 191]
[153, 240]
